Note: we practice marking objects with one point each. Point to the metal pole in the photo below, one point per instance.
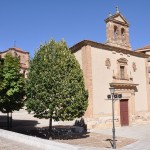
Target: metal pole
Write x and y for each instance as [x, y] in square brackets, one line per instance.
[113, 129]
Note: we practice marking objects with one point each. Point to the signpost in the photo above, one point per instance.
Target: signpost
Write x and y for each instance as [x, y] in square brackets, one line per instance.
[113, 96]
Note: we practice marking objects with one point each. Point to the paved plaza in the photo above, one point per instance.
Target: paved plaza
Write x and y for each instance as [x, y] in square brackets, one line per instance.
[6, 144]
[140, 133]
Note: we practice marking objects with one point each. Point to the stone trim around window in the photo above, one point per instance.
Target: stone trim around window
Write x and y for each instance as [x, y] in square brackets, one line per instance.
[122, 64]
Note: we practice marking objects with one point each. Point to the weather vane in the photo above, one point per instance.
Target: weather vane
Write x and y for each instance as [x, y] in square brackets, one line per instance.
[117, 9]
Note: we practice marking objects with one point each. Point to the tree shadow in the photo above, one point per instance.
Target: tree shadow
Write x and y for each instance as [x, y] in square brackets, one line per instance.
[17, 124]
[58, 132]
[29, 127]
[69, 132]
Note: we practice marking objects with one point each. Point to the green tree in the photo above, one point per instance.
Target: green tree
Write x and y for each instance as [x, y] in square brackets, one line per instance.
[55, 85]
[12, 86]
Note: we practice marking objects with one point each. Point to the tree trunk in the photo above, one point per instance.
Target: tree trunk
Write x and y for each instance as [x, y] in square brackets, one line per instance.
[11, 120]
[50, 127]
[8, 121]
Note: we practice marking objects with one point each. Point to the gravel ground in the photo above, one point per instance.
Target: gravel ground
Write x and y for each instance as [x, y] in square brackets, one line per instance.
[98, 140]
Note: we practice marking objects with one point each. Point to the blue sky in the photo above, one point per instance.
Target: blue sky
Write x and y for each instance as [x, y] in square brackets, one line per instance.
[32, 22]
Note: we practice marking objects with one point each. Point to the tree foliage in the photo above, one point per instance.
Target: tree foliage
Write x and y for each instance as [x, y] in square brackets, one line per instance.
[12, 85]
[55, 85]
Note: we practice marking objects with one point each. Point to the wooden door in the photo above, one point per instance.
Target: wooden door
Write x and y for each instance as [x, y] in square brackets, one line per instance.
[124, 115]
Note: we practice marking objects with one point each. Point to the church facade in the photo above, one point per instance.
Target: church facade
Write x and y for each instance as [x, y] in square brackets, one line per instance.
[114, 64]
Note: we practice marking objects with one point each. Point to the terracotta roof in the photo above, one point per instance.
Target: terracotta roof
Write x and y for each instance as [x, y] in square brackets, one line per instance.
[147, 47]
[144, 48]
[79, 45]
[16, 49]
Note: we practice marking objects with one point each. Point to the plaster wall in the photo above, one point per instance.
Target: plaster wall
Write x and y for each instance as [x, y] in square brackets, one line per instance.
[102, 76]
[78, 56]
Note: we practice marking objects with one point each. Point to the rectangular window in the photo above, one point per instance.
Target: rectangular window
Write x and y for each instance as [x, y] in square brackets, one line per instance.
[122, 72]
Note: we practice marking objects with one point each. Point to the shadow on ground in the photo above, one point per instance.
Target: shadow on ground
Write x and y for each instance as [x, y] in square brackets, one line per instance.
[17, 123]
[58, 132]
[29, 127]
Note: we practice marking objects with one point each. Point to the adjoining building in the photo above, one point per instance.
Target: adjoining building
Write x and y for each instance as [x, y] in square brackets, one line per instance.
[114, 64]
[23, 55]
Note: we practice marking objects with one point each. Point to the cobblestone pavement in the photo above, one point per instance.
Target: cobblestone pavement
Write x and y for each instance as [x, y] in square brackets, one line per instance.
[140, 132]
[6, 144]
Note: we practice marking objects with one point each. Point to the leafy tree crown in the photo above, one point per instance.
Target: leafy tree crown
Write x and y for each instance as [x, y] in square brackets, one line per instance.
[12, 85]
[55, 85]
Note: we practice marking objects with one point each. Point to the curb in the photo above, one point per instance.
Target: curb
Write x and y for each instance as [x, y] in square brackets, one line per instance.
[36, 142]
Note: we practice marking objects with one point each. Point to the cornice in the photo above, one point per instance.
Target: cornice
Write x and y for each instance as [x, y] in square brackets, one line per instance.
[112, 19]
[79, 45]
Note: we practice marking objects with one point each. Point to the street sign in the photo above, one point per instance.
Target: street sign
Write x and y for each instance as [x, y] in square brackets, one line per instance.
[115, 97]
[109, 96]
[119, 95]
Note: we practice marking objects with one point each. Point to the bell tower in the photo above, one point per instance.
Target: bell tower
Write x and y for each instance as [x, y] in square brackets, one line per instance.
[117, 31]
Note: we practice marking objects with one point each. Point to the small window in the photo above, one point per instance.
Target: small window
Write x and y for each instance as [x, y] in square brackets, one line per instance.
[123, 35]
[122, 31]
[122, 72]
[122, 65]
[115, 33]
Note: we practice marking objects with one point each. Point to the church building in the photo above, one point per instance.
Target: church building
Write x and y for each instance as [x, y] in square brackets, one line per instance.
[112, 64]
[115, 64]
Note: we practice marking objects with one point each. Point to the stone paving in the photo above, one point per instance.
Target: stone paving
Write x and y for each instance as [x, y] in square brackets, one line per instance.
[140, 132]
[6, 144]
